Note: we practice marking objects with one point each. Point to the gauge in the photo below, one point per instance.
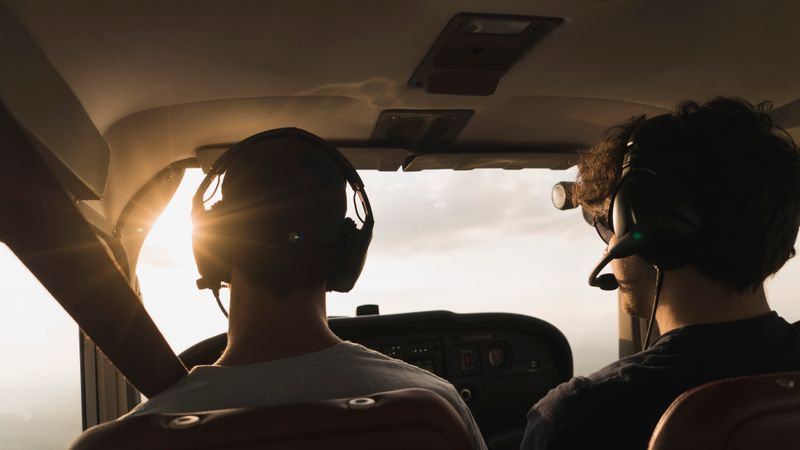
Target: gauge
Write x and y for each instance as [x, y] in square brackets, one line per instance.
[497, 357]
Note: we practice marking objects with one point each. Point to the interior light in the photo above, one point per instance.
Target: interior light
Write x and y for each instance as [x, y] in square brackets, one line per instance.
[479, 25]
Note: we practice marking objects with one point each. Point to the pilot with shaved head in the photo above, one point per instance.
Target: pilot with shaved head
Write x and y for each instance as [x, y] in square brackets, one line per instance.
[280, 238]
[698, 208]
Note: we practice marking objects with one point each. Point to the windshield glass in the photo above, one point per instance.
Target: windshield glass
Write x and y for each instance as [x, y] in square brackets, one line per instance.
[40, 389]
[463, 241]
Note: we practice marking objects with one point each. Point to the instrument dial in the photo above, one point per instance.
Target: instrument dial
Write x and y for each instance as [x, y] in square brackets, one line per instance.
[497, 357]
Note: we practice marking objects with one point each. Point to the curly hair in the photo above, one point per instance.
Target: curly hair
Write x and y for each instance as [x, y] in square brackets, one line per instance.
[742, 173]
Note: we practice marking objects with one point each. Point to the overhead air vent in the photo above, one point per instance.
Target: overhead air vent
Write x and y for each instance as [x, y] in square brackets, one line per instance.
[474, 51]
[419, 129]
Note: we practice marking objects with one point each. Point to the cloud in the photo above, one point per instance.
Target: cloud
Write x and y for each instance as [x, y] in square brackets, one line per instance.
[441, 210]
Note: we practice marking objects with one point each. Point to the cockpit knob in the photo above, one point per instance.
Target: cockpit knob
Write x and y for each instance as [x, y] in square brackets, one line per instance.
[367, 310]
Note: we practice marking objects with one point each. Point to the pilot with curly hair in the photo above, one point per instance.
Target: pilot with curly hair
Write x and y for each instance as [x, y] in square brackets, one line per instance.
[698, 208]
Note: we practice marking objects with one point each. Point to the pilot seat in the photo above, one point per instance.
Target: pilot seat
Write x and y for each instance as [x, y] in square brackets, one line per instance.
[395, 420]
[757, 412]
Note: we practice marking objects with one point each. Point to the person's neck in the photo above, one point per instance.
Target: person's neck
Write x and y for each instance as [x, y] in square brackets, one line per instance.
[265, 327]
[690, 298]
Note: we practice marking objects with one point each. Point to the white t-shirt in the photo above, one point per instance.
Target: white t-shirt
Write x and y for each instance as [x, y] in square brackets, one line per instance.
[341, 371]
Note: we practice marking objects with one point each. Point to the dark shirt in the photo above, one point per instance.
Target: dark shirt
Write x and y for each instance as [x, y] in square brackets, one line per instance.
[619, 406]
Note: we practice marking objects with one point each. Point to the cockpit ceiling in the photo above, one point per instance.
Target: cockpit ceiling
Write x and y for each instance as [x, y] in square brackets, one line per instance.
[160, 79]
[121, 58]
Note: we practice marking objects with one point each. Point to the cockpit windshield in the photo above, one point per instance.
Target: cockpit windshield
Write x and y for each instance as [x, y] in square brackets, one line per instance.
[464, 241]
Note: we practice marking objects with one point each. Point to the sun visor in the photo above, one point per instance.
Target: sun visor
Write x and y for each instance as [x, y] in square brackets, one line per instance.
[42, 102]
[385, 159]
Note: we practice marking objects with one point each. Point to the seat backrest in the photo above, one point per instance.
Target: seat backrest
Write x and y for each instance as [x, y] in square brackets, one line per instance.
[759, 412]
[403, 419]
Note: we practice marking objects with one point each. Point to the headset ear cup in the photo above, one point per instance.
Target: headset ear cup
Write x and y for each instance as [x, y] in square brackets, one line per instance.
[209, 253]
[350, 256]
[642, 205]
[636, 208]
[635, 205]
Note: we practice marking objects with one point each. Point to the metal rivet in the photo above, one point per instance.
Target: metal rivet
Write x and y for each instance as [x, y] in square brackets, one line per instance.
[465, 394]
[533, 364]
[788, 384]
[183, 422]
[361, 403]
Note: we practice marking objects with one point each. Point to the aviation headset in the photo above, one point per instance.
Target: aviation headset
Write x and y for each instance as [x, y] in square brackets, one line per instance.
[650, 217]
[351, 246]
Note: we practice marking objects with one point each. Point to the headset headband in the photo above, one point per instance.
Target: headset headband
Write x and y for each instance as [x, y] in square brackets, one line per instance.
[345, 167]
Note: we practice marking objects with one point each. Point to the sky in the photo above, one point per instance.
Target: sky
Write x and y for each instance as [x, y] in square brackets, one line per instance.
[475, 241]
[472, 241]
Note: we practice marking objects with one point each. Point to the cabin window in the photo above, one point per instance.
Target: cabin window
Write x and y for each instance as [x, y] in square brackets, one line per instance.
[471, 241]
[464, 241]
[782, 290]
[40, 388]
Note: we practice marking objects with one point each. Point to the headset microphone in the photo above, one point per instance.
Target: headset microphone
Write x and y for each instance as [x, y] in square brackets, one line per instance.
[626, 246]
[606, 282]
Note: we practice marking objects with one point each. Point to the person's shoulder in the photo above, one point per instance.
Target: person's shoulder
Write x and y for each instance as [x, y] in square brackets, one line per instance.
[387, 367]
[413, 376]
[581, 388]
[567, 398]
[378, 359]
[576, 407]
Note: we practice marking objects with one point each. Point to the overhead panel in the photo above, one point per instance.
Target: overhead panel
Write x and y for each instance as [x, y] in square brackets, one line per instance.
[419, 129]
[532, 158]
[474, 51]
[788, 115]
[39, 99]
[363, 156]
[432, 140]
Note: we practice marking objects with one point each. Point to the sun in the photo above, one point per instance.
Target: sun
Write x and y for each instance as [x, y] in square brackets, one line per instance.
[170, 239]
[167, 274]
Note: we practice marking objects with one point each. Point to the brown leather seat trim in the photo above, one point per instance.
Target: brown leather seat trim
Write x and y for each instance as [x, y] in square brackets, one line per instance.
[403, 419]
[715, 415]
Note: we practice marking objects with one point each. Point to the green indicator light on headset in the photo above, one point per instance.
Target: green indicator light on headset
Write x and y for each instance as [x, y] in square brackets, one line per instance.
[637, 235]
